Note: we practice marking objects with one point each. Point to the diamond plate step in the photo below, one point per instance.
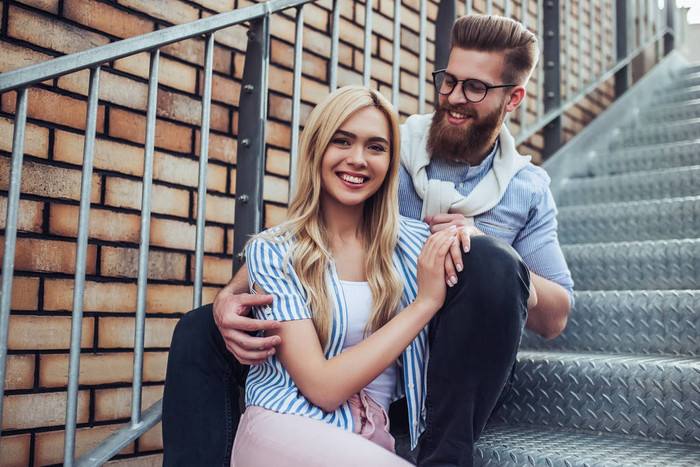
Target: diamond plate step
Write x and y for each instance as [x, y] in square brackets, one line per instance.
[672, 218]
[658, 134]
[669, 113]
[510, 446]
[658, 184]
[650, 397]
[654, 322]
[652, 157]
[688, 79]
[650, 265]
[678, 95]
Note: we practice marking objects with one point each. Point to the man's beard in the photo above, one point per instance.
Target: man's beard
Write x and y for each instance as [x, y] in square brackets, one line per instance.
[457, 144]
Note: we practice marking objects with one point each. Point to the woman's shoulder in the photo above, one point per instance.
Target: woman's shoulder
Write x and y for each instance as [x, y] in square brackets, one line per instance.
[275, 240]
[412, 235]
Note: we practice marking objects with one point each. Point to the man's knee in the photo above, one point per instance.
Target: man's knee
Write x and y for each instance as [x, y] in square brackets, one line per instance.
[490, 259]
[195, 329]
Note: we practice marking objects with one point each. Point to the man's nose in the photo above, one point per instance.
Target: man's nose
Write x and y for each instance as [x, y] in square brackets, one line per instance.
[457, 95]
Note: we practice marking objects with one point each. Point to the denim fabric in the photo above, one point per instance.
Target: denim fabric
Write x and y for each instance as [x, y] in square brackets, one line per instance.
[200, 400]
[473, 340]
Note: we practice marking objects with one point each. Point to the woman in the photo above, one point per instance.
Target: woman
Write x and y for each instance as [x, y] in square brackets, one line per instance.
[353, 292]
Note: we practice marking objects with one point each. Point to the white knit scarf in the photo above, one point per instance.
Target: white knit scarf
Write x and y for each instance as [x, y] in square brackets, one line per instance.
[440, 196]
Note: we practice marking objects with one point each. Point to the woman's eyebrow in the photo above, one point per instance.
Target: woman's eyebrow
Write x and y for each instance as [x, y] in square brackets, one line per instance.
[354, 136]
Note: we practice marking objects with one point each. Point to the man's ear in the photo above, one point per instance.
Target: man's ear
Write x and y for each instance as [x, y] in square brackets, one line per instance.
[517, 95]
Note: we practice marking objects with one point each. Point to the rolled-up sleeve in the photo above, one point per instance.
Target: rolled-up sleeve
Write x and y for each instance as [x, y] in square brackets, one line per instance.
[265, 261]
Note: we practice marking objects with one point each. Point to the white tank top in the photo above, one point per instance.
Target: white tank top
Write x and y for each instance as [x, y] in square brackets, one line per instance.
[358, 298]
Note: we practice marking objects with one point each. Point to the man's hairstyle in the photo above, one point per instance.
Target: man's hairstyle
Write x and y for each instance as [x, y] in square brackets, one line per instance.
[487, 33]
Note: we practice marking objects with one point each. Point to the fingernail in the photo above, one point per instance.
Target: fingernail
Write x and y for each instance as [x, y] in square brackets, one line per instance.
[453, 279]
[449, 284]
[466, 248]
[459, 268]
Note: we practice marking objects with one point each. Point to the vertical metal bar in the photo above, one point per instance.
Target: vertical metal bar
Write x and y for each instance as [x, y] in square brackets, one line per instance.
[446, 16]
[468, 7]
[142, 282]
[603, 45]
[396, 65]
[580, 45]
[251, 137]
[506, 9]
[640, 15]
[552, 76]
[296, 98]
[422, 56]
[523, 107]
[368, 44]
[8, 259]
[669, 38]
[80, 259]
[567, 48]
[489, 7]
[203, 166]
[540, 65]
[632, 31]
[335, 25]
[622, 81]
[591, 26]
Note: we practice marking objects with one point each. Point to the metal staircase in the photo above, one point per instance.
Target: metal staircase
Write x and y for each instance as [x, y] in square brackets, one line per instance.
[621, 385]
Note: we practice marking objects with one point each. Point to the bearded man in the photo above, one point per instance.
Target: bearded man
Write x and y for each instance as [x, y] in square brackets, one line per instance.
[459, 168]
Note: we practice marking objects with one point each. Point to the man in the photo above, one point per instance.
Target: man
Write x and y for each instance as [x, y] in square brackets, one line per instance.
[460, 167]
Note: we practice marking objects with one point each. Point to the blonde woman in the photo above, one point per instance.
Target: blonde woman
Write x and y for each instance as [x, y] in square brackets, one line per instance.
[354, 286]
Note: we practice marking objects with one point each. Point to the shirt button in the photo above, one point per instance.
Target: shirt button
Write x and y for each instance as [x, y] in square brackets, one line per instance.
[415, 423]
[410, 386]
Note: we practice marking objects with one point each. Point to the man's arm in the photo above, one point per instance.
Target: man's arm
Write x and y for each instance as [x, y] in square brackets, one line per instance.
[231, 308]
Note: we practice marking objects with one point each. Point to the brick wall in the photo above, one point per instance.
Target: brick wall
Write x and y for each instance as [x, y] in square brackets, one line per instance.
[33, 31]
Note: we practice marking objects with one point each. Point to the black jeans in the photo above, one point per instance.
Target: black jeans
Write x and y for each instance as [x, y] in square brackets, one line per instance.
[473, 342]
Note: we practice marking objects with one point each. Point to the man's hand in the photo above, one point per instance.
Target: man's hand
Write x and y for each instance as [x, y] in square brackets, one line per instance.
[465, 231]
[231, 316]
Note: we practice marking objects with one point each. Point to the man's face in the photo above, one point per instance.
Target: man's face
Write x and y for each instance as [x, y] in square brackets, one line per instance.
[462, 130]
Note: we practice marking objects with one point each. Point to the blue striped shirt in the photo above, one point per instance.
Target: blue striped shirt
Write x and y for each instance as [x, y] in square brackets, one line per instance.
[525, 218]
[270, 386]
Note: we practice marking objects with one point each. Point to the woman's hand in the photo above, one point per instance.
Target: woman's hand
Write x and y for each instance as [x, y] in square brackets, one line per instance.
[431, 263]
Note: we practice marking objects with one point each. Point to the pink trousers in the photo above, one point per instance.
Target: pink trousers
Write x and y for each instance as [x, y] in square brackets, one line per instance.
[266, 438]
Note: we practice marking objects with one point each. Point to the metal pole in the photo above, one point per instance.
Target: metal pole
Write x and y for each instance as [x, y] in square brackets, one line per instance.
[446, 16]
[296, 99]
[8, 259]
[368, 44]
[622, 81]
[422, 56]
[552, 75]
[142, 282]
[523, 106]
[669, 38]
[468, 7]
[203, 167]
[335, 25]
[396, 55]
[80, 259]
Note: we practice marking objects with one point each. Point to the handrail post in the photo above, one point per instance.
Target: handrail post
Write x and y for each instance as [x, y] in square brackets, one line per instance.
[446, 16]
[622, 77]
[669, 38]
[552, 75]
[250, 168]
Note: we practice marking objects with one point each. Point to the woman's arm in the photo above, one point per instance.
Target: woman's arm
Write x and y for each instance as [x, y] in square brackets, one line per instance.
[329, 383]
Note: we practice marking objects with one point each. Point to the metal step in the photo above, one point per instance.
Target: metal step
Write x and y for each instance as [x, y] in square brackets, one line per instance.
[651, 265]
[687, 80]
[658, 184]
[652, 157]
[672, 218]
[668, 113]
[643, 322]
[658, 134]
[511, 446]
[678, 95]
[653, 397]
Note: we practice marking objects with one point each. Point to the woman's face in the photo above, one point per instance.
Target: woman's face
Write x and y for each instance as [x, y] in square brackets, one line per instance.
[357, 158]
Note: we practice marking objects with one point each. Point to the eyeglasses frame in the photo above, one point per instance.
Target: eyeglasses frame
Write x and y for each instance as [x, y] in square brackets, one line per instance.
[464, 93]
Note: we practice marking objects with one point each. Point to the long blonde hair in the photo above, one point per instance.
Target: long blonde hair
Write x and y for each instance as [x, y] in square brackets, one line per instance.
[310, 254]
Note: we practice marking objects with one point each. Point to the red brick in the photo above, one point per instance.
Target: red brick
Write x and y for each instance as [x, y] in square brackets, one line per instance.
[36, 138]
[281, 80]
[113, 404]
[29, 215]
[42, 105]
[209, 293]
[274, 215]
[106, 18]
[181, 235]
[153, 460]
[172, 11]
[25, 292]
[219, 208]
[216, 270]
[280, 107]
[152, 440]
[234, 36]
[219, 6]
[49, 445]
[163, 298]
[46, 333]
[52, 182]
[23, 411]
[48, 33]
[185, 171]
[15, 56]
[119, 332]
[179, 107]
[109, 155]
[50, 6]
[19, 373]
[170, 73]
[14, 450]
[113, 88]
[317, 42]
[100, 368]
[225, 90]
[124, 193]
[132, 127]
[123, 262]
[313, 91]
[114, 297]
[277, 134]
[275, 189]
[103, 225]
[277, 162]
[221, 147]
[37, 255]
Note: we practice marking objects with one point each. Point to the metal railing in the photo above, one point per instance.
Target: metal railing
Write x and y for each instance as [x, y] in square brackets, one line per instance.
[622, 33]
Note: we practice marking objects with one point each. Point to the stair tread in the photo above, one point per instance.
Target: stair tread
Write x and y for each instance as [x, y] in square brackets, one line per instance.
[502, 445]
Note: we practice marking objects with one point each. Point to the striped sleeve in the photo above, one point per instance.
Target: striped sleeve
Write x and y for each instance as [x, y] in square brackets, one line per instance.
[267, 269]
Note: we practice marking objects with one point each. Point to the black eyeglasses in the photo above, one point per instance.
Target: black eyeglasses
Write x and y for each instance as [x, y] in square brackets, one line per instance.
[474, 90]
